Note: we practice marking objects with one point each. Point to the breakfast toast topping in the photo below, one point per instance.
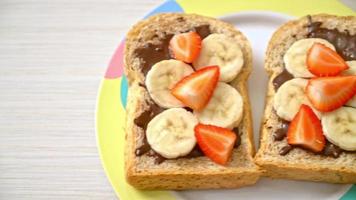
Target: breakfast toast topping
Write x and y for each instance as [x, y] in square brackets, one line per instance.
[324, 61]
[217, 143]
[296, 56]
[305, 130]
[223, 51]
[329, 93]
[171, 133]
[225, 108]
[161, 79]
[185, 46]
[196, 89]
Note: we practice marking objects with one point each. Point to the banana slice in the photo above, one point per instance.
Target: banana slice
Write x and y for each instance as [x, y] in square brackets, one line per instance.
[162, 77]
[224, 109]
[289, 97]
[351, 71]
[171, 133]
[296, 56]
[339, 127]
[223, 51]
[352, 68]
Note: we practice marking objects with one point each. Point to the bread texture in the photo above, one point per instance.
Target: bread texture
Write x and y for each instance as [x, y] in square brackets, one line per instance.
[184, 173]
[299, 164]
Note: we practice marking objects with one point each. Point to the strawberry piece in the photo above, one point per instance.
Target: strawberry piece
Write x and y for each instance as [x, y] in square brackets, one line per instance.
[185, 46]
[305, 130]
[329, 93]
[196, 89]
[323, 61]
[216, 142]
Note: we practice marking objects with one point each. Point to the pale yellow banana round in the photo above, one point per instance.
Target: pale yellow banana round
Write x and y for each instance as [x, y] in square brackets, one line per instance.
[171, 133]
[225, 108]
[289, 97]
[162, 77]
[296, 56]
[339, 127]
[223, 51]
[351, 71]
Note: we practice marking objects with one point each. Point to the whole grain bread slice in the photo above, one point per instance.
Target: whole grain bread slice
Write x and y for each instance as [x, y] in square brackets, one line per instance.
[298, 163]
[183, 173]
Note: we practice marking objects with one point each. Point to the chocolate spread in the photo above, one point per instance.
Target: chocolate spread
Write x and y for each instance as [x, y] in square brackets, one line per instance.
[150, 54]
[345, 45]
[344, 42]
[281, 78]
[142, 121]
[238, 137]
[285, 150]
[281, 132]
[203, 31]
[332, 150]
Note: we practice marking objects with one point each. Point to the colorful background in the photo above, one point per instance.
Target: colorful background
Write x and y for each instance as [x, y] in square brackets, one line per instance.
[112, 95]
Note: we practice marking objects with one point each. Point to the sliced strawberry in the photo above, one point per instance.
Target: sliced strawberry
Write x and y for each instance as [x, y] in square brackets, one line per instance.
[185, 46]
[323, 61]
[196, 89]
[305, 130]
[216, 142]
[329, 93]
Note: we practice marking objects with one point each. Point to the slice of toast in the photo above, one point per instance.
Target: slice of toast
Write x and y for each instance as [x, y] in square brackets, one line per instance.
[183, 173]
[298, 163]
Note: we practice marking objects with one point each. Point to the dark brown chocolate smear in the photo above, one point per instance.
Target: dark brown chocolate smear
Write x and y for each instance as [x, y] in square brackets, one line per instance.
[144, 148]
[344, 42]
[281, 132]
[147, 115]
[142, 85]
[196, 152]
[188, 109]
[285, 150]
[142, 121]
[332, 150]
[180, 19]
[281, 78]
[203, 31]
[150, 53]
[238, 137]
[158, 159]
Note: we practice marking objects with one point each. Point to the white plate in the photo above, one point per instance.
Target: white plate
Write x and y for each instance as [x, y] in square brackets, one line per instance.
[258, 27]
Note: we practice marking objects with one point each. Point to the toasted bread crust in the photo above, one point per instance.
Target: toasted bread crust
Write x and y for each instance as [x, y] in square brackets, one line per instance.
[184, 173]
[299, 164]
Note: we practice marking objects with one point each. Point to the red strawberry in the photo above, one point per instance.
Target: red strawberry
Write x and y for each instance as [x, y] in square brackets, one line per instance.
[329, 93]
[323, 61]
[196, 89]
[305, 130]
[216, 142]
[185, 46]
